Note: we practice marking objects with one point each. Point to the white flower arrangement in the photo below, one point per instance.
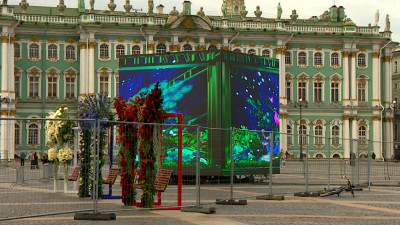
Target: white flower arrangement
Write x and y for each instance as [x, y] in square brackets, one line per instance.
[65, 155]
[52, 127]
[52, 153]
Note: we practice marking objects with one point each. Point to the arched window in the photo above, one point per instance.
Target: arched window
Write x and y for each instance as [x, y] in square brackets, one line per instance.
[318, 59]
[161, 48]
[302, 58]
[361, 59]
[251, 52]
[335, 59]
[318, 135]
[289, 135]
[335, 135]
[212, 48]
[237, 50]
[303, 135]
[34, 50]
[52, 51]
[266, 53]
[187, 47]
[119, 51]
[33, 134]
[70, 52]
[288, 58]
[136, 50]
[104, 51]
[17, 136]
[362, 135]
[17, 50]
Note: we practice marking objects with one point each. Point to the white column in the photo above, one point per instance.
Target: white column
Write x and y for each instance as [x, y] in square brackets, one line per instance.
[388, 138]
[83, 68]
[11, 106]
[376, 145]
[283, 131]
[388, 120]
[375, 79]
[346, 79]
[346, 137]
[91, 74]
[4, 93]
[353, 76]
[282, 76]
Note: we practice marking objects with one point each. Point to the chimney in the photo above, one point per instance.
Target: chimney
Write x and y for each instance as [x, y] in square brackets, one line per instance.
[187, 8]
[160, 9]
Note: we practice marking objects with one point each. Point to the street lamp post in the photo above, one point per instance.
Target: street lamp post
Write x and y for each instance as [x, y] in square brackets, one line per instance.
[301, 103]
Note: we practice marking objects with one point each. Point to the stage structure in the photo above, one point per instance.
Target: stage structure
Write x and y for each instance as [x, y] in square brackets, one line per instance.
[217, 90]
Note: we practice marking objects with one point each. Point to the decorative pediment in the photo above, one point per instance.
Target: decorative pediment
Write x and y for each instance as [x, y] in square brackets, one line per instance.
[34, 39]
[237, 44]
[362, 49]
[252, 44]
[162, 40]
[302, 47]
[213, 42]
[70, 40]
[336, 48]
[335, 78]
[191, 22]
[187, 39]
[318, 48]
[52, 40]
[105, 39]
[121, 39]
[35, 71]
[266, 45]
[136, 41]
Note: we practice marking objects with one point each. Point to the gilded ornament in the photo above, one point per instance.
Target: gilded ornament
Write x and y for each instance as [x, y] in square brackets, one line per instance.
[82, 45]
[202, 47]
[336, 48]
[187, 39]
[92, 44]
[375, 55]
[237, 44]
[34, 39]
[136, 41]
[188, 22]
[70, 40]
[302, 47]
[104, 39]
[318, 48]
[213, 42]
[252, 44]
[121, 39]
[52, 40]
[162, 40]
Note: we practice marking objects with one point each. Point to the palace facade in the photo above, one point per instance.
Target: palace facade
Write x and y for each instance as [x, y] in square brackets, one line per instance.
[335, 76]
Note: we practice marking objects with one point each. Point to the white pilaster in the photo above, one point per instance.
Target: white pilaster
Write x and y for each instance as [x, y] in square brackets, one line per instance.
[83, 45]
[91, 84]
[346, 79]
[346, 137]
[353, 77]
[376, 126]
[375, 79]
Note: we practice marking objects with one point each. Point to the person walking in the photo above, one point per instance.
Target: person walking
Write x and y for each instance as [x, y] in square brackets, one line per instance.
[35, 159]
[32, 159]
[22, 157]
[45, 158]
[282, 156]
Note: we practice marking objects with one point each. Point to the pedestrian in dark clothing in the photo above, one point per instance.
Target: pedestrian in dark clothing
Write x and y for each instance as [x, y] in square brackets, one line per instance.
[32, 159]
[35, 161]
[22, 159]
[45, 159]
[373, 156]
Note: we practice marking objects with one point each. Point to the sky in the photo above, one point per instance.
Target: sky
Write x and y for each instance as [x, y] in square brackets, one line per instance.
[361, 13]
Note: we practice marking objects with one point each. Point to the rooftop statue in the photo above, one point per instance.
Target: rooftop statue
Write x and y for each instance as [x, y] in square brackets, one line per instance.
[173, 15]
[201, 12]
[91, 3]
[258, 12]
[294, 15]
[387, 24]
[4, 2]
[376, 18]
[151, 7]
[244, 12]
[224, 9]
[279, 13]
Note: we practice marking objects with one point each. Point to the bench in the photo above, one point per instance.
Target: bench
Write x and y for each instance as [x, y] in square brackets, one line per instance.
[112, 176]
[74, 176]
[162, 180]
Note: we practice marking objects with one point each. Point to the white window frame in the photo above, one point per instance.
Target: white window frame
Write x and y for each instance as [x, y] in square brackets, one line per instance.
[301, 90]
[19, 56]
[56, 83]
[28, 133]
[70, 59]
[289, 90]
[320, 137]
[289, 58]
[306, 59]
[339, 60]
[361, 78]
[212, 48]
[335, 135]
[304, 137]
[17, 85]
[289, 136]
[252, 51]
[134, 52]
[159, 50]
[56, 51]
[17, 131]
[338, 123]
[31, 58]
[187, 47]
[363, 143]
[104, 72]
[396, 67]
[116, 84]
[238, 50]
[116, 50]
[366, 60]
[74, 89]
[265, 54]
[107, 56]
[38, 86]
[322, 59]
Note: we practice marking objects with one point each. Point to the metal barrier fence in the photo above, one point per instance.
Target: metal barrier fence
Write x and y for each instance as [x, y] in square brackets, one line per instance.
[228, 164]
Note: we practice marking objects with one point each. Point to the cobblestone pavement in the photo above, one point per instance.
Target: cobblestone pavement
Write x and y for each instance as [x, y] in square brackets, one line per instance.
[379, 205]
